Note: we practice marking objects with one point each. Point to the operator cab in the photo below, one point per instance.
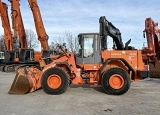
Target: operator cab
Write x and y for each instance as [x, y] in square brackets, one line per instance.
[26, 56]
[89, 49]
[10, 57]
[46, 55]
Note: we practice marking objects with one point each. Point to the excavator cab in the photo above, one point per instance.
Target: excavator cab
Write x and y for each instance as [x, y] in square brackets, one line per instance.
[26, 56]
[11, 57]
[46, 55]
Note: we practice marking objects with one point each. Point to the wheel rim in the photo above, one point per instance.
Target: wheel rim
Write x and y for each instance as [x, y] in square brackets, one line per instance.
[54, 81]
[116, 81]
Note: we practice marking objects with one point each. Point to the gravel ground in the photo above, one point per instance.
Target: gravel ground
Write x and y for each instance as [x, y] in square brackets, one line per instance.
[143, 98]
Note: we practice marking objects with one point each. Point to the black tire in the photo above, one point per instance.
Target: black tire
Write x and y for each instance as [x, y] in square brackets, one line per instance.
[106, 77]
[3, 70]
[63, 76]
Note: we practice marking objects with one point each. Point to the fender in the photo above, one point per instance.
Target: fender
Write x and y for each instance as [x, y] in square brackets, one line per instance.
[123, 60]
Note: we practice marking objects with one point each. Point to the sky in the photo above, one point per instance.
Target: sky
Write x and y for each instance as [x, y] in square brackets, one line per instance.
[82, 16]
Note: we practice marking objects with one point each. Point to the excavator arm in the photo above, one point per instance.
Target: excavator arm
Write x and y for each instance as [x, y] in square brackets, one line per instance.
[17, 24]
[152, 51]
[10, 53]
[42, 36]
[108, 29]
[6, 25]
[150, 31]
[26, 55]
[152, 35]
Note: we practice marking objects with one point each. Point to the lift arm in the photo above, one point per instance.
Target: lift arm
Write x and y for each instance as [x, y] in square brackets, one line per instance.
[107, 28]
[42, 36]
[6, 25]
[17, 23]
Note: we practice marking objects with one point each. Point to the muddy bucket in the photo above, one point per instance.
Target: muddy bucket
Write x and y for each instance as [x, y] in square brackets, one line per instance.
[21, 83]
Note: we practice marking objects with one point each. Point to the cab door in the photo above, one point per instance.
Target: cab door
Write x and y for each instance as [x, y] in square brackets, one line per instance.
[89, 49]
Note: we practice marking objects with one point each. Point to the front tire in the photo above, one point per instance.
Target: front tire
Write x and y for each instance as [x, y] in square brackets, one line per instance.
[55, 81]
[116, 81]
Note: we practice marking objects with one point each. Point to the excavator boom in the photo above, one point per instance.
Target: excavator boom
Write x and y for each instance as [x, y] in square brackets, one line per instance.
[17, 54]
[42, 36]
[10, 53]
[6, 25]
[149, 29]
[151, 52]
[26, 55]
[17, 24]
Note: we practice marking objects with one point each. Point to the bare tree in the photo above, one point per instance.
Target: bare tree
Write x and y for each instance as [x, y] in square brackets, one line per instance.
[52, 45]
[72, 42]
[31, 39]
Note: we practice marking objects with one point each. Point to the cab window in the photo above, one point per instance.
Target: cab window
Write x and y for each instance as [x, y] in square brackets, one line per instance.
[88, 45]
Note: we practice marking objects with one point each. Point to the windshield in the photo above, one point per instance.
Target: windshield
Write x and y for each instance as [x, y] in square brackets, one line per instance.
[88, 45]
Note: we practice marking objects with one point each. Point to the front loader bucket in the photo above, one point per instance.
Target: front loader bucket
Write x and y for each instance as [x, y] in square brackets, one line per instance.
[24, 82]
[20, 85]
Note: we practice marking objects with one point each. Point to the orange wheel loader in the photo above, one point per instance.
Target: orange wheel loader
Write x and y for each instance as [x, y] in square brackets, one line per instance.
[94, 64]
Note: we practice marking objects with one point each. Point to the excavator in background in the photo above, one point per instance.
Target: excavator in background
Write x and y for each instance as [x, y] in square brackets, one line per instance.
[20, 56]
[10, 55]
[151, 52]
[93, 64]
[27, 56]
[26, 53]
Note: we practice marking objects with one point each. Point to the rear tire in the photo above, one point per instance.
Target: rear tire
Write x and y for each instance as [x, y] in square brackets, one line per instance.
[5, 69]
[116, 81]
[55, 81]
